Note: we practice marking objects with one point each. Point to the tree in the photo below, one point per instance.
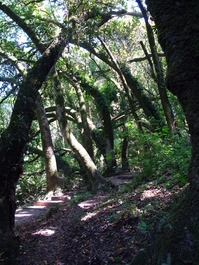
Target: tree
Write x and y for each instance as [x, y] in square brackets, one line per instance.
[14, 139]
[107, 123]
[48, 153]
[129, 82]
[159, 78]
[40, 47]
[178, 34]
[125, 164]
[86, 134]
[47, 146]
[81, 26]
[96, 180]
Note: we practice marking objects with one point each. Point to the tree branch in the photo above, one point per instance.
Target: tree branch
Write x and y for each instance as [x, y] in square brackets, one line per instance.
[14, 60]
[140, 59]
[10, 80]
[8, 94]
[22, 24]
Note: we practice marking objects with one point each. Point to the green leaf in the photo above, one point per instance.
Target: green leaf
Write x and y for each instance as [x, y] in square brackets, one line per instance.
[183, 180]
[108, 157]
[143, 225]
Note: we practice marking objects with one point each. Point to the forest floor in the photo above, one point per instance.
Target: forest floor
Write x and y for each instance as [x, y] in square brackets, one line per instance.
[105, 228]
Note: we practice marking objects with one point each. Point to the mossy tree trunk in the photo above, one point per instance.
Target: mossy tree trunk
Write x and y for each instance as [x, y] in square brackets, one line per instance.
[102, 107]
[178, 34]
[107, 125]
[47, 146]
[136, 88]
[143, 99]
[168, 112]
[95, 179]
[13, 140]
[86, 134]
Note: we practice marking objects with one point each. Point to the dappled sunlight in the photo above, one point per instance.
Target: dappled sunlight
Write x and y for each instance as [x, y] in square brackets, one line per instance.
[28, 213]
[22, 215]
[44, 232]
[91, 203]
[86, 204]
[161, 192]
[31, 207]
[100, 224]
[88, 216]
[151, 193]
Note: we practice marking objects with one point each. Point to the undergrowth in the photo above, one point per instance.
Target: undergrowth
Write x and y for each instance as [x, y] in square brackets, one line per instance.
[156, 157]
[159, 155]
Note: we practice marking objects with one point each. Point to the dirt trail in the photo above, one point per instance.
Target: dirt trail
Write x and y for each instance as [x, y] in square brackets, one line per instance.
[77, 234]
[103, 229]
[41, 208]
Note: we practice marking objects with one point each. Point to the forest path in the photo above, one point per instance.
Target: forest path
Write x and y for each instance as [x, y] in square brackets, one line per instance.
[104, 228]
[41, 208]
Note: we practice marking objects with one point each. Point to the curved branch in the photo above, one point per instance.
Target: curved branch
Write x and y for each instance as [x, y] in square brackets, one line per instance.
[22, 24]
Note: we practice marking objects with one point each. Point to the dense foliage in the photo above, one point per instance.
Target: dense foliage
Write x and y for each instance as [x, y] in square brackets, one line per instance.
[83, 97]
[99, 70]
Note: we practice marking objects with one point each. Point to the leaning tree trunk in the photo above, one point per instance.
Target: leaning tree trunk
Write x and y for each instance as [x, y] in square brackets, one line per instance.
[47, 146]
[178, 33]
[107, 125]
[168, 112]
[144, 101]
[86, 134]
[106, 119]
[96, 180]
[13, 140]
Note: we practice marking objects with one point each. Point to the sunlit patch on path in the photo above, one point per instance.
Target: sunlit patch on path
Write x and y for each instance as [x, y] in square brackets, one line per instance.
[44, 232]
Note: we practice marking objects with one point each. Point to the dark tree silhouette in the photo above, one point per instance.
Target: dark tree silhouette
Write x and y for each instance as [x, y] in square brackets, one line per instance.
[13, 140]
[178, 34]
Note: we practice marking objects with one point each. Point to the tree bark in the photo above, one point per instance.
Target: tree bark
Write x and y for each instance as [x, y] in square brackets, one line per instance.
[125, 164]
[48, 153]
[62, 165]
[178, 34]
[96, 180]
[128, 93]
[74, 116]
[105, 145]
[160, 77]
[86, 135]
[47, 146]
[144, 101]
[14, 139]
[107, 124]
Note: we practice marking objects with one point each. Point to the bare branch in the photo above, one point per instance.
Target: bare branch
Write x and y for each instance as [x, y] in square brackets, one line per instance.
[8, 94]
[14, 60]
[123, 12]
[34, 1]
[140, 59]
[11, 80]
